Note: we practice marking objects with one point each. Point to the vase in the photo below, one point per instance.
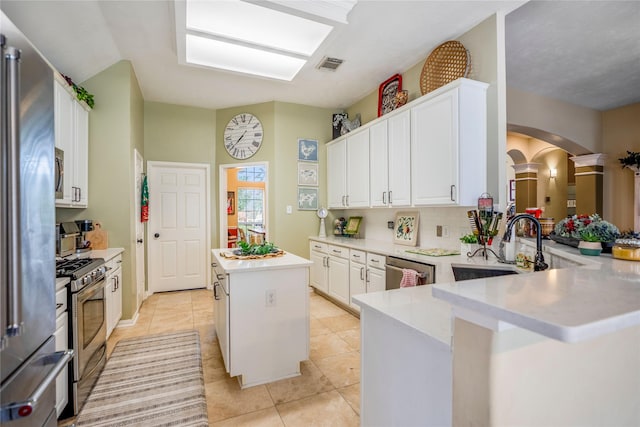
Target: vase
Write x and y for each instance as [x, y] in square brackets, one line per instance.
[468, 248]
[590, 248]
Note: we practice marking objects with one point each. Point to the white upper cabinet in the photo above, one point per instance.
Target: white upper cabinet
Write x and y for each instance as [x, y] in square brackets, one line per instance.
[72, 137]
[449, 146]
[348, 171]
[337, 173]
[358, 169]
[390, 161]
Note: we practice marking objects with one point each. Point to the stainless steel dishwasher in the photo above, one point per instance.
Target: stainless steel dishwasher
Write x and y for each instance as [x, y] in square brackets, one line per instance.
[395, 265]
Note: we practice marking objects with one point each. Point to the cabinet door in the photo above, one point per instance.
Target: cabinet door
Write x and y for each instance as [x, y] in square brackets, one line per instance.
[358, 169]
[339, 279]
[110, 302]
[434, 150]
[81, 155]
[378, 164]
[222, 318]
[117, 306]
[376, 280]
[62, 381]
[357, 283]
[399, 149]
[337, 174]
[318, 274]
[64, 135]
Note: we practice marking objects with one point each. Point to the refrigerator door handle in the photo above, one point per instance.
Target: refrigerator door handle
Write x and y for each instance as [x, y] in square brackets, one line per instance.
[12, 188]
[4, 226]
[17, 410]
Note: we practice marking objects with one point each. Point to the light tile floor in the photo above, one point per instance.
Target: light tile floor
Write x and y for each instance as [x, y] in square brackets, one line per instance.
[326, 394]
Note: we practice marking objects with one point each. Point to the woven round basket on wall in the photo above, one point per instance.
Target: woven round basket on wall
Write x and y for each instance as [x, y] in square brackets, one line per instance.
[446, 63]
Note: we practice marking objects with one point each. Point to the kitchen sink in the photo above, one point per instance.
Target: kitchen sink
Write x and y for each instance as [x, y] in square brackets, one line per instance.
[468, 272]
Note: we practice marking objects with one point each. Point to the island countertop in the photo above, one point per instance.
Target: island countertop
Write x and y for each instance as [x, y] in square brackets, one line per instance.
[570, 305]
[288, 260]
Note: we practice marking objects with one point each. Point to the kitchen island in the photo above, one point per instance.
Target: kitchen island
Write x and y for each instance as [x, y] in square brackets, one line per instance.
[261, 315]
[559, 347]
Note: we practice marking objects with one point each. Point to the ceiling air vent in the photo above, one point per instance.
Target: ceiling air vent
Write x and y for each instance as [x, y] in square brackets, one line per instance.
[329, 63]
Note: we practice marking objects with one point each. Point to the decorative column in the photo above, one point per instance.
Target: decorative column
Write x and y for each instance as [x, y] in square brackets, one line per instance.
[589, 183]
[526, 186]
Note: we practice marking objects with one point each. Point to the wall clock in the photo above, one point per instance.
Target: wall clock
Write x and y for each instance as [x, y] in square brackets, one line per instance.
[243, 136]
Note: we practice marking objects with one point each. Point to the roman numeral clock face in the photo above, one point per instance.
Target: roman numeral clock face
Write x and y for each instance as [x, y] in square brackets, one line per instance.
[243, 136]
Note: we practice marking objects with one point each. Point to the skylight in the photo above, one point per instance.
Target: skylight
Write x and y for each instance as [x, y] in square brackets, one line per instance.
[250, 23]
[259, 39]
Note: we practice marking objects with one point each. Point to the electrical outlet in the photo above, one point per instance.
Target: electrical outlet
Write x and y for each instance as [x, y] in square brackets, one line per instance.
[390, 224]
[289, 209]
[445, 231]
[438, 231]
[270, 298]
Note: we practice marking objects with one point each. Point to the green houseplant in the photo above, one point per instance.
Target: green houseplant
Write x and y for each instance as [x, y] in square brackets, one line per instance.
[468, 244]
[590, 240]
[631, 160]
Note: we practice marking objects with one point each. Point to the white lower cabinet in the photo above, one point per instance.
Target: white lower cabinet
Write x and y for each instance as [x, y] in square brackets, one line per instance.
[319, 272]
[376, 274]
[341, 272]
[221, 310]
[338, 263]
[113, 292]
[357, 275]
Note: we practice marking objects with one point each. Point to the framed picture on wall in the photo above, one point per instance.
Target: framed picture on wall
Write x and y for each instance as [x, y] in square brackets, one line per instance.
[512, 190]
[231, 202]
[308, 174]
[307, 199]
[405, 231]
[307, 150]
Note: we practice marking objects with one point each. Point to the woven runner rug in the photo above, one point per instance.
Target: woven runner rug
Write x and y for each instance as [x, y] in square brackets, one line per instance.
[155, 380]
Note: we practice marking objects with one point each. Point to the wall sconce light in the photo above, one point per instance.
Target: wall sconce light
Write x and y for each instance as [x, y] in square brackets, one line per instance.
[553, 173]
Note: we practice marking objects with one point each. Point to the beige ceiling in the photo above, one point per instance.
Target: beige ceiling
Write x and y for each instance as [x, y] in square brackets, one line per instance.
[592, 47]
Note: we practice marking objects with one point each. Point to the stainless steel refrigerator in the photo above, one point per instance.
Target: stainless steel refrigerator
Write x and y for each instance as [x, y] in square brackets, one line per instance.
[29, 363]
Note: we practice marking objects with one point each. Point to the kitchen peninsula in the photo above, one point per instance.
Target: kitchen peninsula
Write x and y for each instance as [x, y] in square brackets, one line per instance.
[261, 315]
[558, 347]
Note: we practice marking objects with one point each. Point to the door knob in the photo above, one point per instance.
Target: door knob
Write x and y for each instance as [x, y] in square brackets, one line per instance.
[156, 235]
[139, 240]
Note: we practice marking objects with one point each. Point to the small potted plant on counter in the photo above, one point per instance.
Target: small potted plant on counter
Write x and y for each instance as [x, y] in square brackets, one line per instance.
[468, 244]
[590, 243]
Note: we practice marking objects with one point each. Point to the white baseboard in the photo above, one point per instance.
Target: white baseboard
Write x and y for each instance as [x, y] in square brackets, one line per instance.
[128, 322]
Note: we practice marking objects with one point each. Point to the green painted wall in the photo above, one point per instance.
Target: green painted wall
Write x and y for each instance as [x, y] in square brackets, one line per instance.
[283, 124]
[295, 121]
[176, 133]
[115, 129]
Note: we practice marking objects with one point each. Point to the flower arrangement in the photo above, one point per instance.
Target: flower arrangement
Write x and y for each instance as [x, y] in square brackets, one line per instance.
[589, 226]
[631, 160]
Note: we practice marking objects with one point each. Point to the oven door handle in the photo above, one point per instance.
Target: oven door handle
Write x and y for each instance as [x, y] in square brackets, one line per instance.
[104, 353]
[19, 410]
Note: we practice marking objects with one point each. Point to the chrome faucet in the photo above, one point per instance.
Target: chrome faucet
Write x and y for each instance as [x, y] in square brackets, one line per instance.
[538, 264]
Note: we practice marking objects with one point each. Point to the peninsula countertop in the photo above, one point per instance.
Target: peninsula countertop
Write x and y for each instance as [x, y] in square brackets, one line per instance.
[286, 261]
[568, 304]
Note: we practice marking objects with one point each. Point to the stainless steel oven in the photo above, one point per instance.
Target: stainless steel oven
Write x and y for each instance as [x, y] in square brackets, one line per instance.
[87, 328]
[394, 266]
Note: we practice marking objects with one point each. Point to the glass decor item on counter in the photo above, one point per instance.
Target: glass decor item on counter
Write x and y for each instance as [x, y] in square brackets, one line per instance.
[628, 249]
[322, 214]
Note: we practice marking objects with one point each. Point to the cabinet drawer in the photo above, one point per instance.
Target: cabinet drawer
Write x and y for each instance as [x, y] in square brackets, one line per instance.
[375, 260]
[357, 256]
[318, 247]
[61, 301]
[339, 251]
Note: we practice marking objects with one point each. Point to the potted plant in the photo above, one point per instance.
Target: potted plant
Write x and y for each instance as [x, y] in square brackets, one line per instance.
[631, 161]
[569, 230]
[590, 243]
[468, 244]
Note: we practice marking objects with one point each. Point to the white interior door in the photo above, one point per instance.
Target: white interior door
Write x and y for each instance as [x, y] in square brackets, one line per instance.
[140, 274]
[178, 227]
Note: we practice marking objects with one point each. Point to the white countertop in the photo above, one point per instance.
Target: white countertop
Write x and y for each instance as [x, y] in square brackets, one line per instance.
[288, 260]
[568, 304]
[414, 307]
[106, 254]
[61, 282]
